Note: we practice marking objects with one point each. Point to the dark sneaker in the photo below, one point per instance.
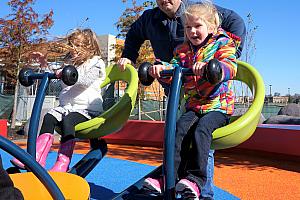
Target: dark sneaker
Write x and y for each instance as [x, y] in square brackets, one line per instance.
[153, 184]
[17, 163]
[187, 189]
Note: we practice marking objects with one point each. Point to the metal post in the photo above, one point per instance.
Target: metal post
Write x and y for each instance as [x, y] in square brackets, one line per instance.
[169, 138]
[36, 113]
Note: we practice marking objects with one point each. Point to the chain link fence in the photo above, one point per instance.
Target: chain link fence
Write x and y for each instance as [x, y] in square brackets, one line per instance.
[150, 105]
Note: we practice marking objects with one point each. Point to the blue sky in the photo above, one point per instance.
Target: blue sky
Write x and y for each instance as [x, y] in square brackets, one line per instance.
[277, 55]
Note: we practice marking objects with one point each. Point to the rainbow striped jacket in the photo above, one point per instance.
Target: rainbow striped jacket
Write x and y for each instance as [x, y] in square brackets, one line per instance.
[200, 95]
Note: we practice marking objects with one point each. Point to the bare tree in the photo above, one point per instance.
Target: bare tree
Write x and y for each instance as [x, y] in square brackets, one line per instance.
[250, 46]
[249, 49]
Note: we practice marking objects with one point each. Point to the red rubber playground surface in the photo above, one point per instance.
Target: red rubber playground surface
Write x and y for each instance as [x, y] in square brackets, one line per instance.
[247, 174]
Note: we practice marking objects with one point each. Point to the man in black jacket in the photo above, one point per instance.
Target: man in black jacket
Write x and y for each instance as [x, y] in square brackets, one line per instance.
[164, 28]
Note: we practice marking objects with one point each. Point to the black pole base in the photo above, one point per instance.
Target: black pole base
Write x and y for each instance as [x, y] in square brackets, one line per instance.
[91, 159]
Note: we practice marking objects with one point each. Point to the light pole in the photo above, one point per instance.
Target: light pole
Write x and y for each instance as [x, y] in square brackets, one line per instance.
[289, 97]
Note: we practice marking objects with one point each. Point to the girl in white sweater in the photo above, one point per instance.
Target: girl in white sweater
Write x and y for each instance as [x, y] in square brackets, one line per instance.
[77, 103]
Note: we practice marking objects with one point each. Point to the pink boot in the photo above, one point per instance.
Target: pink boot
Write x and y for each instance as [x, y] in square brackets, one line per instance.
[64, 157]
[43, 145]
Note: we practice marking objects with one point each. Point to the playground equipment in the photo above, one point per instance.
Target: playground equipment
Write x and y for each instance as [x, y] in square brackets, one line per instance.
[228, 136]
[108, 122]
[38, 181]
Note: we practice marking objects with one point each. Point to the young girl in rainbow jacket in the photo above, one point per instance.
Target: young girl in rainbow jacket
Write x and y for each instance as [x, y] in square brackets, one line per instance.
[207, 105]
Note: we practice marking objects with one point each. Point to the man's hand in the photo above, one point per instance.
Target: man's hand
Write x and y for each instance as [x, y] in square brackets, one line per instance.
[123, 62]
[155, 70]
[39, 57]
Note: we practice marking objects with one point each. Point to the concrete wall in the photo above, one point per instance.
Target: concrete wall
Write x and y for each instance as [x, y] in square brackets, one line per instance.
[107, 43]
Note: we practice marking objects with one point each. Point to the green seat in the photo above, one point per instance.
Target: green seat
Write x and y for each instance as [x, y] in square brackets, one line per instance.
[114, 118]
[242, 128]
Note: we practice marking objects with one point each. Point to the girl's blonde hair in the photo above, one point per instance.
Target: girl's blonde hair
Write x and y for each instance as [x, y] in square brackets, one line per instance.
[205, 11]
[83, 43]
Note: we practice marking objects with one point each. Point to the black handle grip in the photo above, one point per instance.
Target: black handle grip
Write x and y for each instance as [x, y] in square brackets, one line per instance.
[143, 74]
[213, 71]
[69, 75]
[25, 77]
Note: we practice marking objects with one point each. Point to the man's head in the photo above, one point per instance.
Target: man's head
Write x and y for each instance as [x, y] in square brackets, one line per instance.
[169, 7]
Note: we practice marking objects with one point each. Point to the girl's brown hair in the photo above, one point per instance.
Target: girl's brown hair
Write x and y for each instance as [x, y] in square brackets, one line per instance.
[84, 44]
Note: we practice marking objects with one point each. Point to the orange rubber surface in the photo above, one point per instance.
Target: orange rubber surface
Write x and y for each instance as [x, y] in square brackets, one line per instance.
[249, 175]
[72, 186]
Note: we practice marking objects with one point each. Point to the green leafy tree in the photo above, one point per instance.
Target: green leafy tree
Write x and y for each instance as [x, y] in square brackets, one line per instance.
[19, 30]
[129, 16]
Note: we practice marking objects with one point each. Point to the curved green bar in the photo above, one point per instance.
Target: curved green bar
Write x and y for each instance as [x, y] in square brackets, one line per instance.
[113, 119]
[241, 129]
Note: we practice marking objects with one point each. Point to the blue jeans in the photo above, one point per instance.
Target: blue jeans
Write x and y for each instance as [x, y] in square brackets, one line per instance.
[193, 157]
[207, 192]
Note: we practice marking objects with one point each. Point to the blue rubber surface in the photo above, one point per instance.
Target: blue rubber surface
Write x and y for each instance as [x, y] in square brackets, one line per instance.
[112, 176]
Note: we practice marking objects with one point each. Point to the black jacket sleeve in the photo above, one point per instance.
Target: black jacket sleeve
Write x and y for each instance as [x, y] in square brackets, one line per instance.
[233, 23]
[135, 37]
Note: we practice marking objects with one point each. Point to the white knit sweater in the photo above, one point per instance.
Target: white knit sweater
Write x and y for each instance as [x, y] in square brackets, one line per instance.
[86, 92]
